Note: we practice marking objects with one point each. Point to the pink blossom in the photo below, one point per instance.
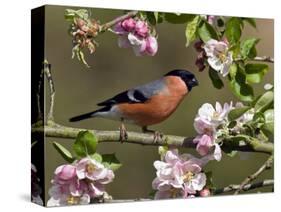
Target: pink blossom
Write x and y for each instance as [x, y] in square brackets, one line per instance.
[79, 183]
[211, 19]
[206, 146]
[92, 170]
[65, 172]
[151, 46]
[208, 117]
[129, 24]
[119, 30]
[178, 175]
[219, 57]
[136, 34]
[141, 28]
[205, 192]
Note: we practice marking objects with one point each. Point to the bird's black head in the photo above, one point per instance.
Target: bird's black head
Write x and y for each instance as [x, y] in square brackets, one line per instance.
[186, 76]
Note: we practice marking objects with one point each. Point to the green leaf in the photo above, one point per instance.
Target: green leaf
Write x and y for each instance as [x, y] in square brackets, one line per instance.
[233, 30]
[209, 181]
[251, 21]
[264, 102]
[248, 48]
[232, 153]
[97, 157]
[255, 72]
[177, 18]
[268, 126]
[191, 29]
[152, 194]
[240, 88]
[237, 112]
[232, 124]
[85, 144]
[162, 150]
[63, 152]
[71, 14]
[152, 17]
[207, 32]
[110, 161]
[232, 70]
[216, 80]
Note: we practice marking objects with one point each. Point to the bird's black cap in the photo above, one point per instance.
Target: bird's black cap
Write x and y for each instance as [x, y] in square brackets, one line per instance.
[188, 77]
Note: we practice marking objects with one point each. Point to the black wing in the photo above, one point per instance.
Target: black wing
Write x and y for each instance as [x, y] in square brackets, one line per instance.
[138, 94]
[130, 96]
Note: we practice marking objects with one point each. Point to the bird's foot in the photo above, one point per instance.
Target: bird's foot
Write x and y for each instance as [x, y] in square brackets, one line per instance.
[123, 133]
[157, 136]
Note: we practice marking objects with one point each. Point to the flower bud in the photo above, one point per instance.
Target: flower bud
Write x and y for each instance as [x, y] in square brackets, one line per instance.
[141, 28]
[205, 192]
[129, 24]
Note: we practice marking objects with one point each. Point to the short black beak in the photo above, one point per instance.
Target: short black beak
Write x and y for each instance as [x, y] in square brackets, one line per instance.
[194, 82]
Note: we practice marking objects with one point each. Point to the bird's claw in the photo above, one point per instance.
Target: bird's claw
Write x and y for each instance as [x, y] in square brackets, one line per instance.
[123, 133]
[157, 136]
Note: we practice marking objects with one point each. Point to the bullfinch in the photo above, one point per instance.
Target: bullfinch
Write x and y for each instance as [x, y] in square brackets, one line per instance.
[146, 104]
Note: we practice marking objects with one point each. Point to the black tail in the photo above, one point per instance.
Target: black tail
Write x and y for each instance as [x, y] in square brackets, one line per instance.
[88, 115]
[82, 117]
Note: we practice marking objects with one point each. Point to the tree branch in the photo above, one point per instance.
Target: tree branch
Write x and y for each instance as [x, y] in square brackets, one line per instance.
[109, 24]
[246, 187]
[60, 131]
[266, 165]
[264, 59]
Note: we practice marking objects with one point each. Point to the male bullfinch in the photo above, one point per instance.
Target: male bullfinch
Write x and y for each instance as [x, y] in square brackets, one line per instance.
[146, 104]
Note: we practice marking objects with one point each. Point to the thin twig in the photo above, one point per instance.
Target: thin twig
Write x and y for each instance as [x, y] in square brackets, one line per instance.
[264, 59]
[109, 24]
[246, 187]
[47, 71]
[125, 200]
[264, 183]
[266, 165]
[41, 79]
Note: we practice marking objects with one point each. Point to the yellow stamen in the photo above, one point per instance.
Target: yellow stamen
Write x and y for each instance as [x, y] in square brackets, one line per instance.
[222, 56]
[71, 200]
[188, 176]
[90, 168]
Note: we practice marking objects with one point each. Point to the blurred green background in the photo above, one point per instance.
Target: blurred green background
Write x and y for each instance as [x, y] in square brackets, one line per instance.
[113, 69]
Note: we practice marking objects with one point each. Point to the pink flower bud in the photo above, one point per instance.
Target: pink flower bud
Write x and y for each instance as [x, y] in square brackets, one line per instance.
[204, 143]
[129, 24]
[151, 45]
[211, 19]
[198, 46]
[205, 192]
[141, 28]
[80, 22]
[65, 172]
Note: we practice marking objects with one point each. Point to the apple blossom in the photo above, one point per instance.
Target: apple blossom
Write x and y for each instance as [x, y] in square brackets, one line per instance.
[79, 182]
[206, 122]
[141, 28]
[219, 56]
[136, 34]
[178, 176]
